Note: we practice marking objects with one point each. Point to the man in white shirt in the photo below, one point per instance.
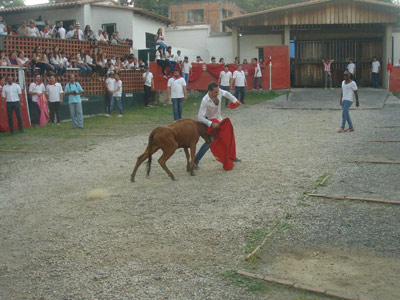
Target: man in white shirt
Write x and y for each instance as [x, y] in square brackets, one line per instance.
[186, 70]
[80, 32]
[100, 37]
[349, 92]
[36, 89]
[210, 108]
[33, 30]
[351, 67]
[70, 32]
[54, 93]
[117, 95]
[3, 27]
[239, 82]
[376, 68]
[178, 57]
[148, 80]
[12, 94]
[257, 74]
[61, 30]
[177, 93]
[224, 81]
[109, 84]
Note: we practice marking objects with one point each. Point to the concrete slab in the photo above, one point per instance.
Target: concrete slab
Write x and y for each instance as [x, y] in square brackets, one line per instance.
[312, 98]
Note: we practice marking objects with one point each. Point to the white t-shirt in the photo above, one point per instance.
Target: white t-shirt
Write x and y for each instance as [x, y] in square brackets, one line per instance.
[149, 77]
[177, 87]
[80, 34]
[351, 67]
[33, 31]
[35, 88]
[178, 58]
[348, 90]
[3, 28]
[186, 67]
[225, 78]
[11, 92]
[118, 83]
[54, 91]
[257, 71]
[110, 83]
[158, 55]
[70, 34]
[61, 31]
[239, 78]
[22, 60]
[100, 37]
[375, 66]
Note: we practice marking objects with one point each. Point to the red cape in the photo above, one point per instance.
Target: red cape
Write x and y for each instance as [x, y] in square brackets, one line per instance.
[223, 147]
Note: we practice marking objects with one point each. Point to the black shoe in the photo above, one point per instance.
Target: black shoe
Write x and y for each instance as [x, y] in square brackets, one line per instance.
[196, 166]
[237, 160]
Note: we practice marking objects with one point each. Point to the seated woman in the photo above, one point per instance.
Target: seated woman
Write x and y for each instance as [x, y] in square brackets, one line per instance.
[160, 59]
[86, 70]
[57, 63]
[22, 60]
[118, 65]
[90, 61]
[13, 59]
[42, 61]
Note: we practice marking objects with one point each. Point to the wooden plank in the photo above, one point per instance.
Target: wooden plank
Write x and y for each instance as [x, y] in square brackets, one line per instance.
[354, 198]
[294, 18]
[353, 14]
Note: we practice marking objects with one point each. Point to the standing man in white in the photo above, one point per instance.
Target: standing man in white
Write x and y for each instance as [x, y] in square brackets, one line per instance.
[177, 93]
[55, 95]
[349, 92]
[351, 67]
[117, 95]
[148, 85]
[376, 68]
[239, 82]
[12, 94]
[224, 81]
[257, 74]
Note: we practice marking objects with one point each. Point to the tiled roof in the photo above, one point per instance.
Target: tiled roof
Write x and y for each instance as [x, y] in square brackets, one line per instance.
[47, 5]
[306, 4]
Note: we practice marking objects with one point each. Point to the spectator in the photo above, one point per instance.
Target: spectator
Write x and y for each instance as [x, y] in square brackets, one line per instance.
[224, 81]
[160, 59]
[109, 65]
[86, 70]
[99, 61]
[239, 81]
[106, 38]
[70, 62]
[86, 32]
[198, 60]
[222, 60]
[118, 65]
[257, 74]
[169, 58]
[132, 63]
[91, 36]
[4, 62]
[213, 60]
[12, 94]
[376, 68]
[70, 32]
[160, 40]
[23, 30]
[177, 93]
[60, 30]
[36, 90]
[109, 84]
[141, 64]
[90, 62]
[186, 70]
[77, 32]
[100, 37]
[22, 61]
[237, 60]
[178, 58]
[39, 60]
[351, 67]
[118, 39]
[54, 94]
[33, 30]
[73, 91]
[13, 59]
[327, 72]
[65, 61]
[45, 32]
[11, 31]
[117, 95]
[245, 62]
[58, 63]
[3, 27]
[261, 62]
[148, 85]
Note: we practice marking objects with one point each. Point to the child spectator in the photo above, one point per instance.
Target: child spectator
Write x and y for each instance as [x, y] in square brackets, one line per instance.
[91, 36]
[169, 58]
[375, 69]
[54, 94]
[148, 85]
[117, 95]
[351, 67]
[327, 72]
[178, 58]
[141, 64]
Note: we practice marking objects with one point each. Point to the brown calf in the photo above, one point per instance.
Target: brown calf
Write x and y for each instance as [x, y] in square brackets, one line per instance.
[184, 134]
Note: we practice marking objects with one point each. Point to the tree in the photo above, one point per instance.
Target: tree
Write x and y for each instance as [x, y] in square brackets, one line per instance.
[10, 3]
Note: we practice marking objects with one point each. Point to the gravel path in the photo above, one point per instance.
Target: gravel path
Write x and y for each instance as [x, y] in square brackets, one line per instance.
[158, 239]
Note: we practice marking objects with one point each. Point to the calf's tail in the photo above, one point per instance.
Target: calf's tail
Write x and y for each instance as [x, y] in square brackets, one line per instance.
[149, 149]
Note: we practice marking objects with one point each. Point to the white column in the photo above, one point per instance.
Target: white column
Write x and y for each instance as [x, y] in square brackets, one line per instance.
[235, 42]
[387, 53]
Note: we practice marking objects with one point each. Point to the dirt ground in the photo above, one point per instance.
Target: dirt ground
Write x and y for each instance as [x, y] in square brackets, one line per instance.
[158, 239]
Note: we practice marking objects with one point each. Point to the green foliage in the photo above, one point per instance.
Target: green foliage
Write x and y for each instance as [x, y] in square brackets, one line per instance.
[250, 284]
[10, 3]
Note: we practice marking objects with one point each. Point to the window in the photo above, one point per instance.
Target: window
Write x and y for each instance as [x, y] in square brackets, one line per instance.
[226, 14]
[150, 41]
[194, 16]
[109, 28]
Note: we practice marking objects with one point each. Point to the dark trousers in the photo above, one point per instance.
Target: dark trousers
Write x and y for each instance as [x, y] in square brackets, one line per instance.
[11, 106]
[375, 80]
[225, 88]
[34, 111]
[163, 65]
[108, 101]
[54, 110]
[242, 91]
[147, 92]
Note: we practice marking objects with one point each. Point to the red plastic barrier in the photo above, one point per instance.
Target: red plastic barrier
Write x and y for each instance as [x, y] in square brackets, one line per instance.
[280, 67]
[394, 84]
[24, 112]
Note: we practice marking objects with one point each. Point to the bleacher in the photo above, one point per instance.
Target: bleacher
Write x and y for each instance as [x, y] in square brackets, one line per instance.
[132, 79]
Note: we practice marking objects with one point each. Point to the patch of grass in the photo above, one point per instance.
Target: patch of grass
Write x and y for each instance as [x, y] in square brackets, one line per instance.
[250, 284]
[397, 94]
[323, 180]
[60, 139]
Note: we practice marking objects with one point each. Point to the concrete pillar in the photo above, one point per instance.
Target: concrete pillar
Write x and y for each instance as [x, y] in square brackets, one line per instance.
[387, 53]
[235, 42]
[286, 35]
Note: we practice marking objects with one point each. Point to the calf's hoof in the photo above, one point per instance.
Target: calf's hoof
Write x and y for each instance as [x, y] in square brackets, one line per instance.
[173, 178]
[191, 173]
[132, 179]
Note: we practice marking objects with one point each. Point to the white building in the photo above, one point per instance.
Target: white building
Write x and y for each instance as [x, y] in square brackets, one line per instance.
[137, 24]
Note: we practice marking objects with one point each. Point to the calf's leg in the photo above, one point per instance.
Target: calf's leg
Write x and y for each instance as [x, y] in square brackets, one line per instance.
[187, 159]
[141, 159]
[167, 153]
[193, 154]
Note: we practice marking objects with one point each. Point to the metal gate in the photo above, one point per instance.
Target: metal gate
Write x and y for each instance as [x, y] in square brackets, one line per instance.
[308, 69]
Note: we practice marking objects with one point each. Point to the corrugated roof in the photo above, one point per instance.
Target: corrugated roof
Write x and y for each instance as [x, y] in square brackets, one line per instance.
[305, 4]
[101, 3]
